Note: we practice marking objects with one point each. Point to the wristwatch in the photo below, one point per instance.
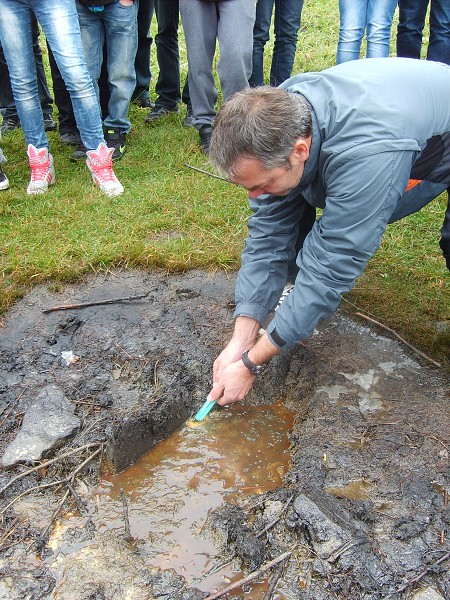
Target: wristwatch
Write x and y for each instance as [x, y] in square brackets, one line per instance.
[255, 369]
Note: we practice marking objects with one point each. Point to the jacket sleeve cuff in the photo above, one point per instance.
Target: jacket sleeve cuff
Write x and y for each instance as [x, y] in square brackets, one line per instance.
[254, 311]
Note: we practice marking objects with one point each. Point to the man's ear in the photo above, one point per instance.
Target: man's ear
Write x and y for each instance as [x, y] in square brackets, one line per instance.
[301, 149]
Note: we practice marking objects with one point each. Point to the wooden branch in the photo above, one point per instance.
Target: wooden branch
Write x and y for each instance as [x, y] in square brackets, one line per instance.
[208, 173]
[49, 462]
[93, 303]
[399, 337]
[251, 576]
[66, 480]
[422, 575]
[275, 521]
[126, 520]
[274, 581]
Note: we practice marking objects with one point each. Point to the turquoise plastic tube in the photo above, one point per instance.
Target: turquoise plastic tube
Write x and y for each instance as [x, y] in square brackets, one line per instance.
[207, 406]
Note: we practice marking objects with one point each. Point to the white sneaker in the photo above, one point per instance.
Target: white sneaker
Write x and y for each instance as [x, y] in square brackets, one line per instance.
[4, 183]
[99, 163]
[42, 170]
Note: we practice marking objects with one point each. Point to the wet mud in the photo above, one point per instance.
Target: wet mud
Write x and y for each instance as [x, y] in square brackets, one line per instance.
[360, 509]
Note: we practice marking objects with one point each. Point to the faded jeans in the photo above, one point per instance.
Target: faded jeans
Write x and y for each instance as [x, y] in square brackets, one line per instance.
[115, 26]
[286, 25]
[356, 16]
[59, 21]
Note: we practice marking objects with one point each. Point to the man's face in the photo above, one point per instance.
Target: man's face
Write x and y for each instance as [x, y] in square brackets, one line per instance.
[278, 181]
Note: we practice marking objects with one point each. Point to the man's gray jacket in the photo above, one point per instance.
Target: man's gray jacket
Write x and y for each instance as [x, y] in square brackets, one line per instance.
[380, 150]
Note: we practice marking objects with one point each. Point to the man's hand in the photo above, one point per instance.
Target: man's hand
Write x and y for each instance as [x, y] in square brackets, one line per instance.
[232, 379]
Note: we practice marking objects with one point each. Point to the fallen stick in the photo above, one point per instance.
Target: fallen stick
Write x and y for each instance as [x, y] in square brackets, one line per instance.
[274, 582]
[208, 173]
[128, 537]
[251, 576]
[422, 575]
[49, 462]
[399, 337]
[93, 303]
[53, 483]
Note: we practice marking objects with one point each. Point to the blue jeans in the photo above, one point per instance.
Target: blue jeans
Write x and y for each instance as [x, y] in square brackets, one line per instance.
[7, 104]
[411, 22]
[115, 26]
[356, 16]
[59, 21]
[286, 26]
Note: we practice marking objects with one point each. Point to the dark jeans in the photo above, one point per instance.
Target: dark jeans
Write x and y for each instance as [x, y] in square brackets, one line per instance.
[411, 22]
[286, 26]
[142, 61]
[7, 104]
[168, 84]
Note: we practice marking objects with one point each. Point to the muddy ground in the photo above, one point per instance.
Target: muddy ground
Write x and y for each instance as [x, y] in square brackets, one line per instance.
[363, 511]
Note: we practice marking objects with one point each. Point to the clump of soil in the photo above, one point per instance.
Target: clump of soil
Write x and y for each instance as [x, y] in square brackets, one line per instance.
[363, 511]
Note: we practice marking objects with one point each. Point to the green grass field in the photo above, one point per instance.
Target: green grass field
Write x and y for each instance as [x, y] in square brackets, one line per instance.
[174, 218]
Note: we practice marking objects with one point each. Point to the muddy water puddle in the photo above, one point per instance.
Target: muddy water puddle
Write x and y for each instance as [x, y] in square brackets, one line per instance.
[234, 453]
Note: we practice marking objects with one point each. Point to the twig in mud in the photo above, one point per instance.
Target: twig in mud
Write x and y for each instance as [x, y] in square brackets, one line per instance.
[93, 303]
[64, 481]
[126, 520]
[399, 337]
[49, 462]
[251, 576]
[54, 515]
[422, 575]
[275, 521]
[208, 173]
[14, 404]
[274, 581]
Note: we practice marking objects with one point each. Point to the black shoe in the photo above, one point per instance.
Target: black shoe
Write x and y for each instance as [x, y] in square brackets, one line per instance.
[189, 118]
[159, 112]
[9, 124]
[116, 138]
[205, 132]
[79, 153]
[144, 103]
[4, 183]
[49, 123]
[71, 138]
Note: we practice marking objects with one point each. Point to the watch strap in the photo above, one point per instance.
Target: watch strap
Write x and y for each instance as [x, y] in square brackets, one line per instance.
[255, 369]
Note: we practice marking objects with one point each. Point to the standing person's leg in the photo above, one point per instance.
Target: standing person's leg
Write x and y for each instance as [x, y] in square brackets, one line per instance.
[444, 242]
[200, 22]
[141, 94]
[44, 93]
[167, 52]
[60, 24]
[8, 109]
[411, 21]
[120, 23]
[234, 31]
[352, 23]
[68, 132]
[378, 28]
[4, 183]
[439, 44]
[286, 25]
[261, 35]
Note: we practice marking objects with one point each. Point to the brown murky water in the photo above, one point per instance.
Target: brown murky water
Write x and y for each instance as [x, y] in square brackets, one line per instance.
[235, 452]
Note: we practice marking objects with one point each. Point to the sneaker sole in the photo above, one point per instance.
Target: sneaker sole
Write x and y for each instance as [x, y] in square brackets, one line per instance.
[4, 185]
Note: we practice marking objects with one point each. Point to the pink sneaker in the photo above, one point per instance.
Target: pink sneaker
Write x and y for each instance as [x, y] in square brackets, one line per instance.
[99, 163]
[42, 170]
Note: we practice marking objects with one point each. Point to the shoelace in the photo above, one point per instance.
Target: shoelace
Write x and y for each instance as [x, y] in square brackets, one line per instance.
[39, 171]
[104, 172]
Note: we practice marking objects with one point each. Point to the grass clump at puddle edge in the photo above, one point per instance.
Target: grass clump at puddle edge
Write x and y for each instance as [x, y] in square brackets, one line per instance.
[176, 219]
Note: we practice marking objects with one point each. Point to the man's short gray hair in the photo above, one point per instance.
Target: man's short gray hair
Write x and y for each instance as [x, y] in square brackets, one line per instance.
[262, 123]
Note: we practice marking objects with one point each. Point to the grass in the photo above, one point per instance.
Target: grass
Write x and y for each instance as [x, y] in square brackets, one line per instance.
[176, 219]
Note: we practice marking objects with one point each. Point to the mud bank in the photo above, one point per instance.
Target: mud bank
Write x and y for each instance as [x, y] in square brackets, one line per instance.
[363, 510]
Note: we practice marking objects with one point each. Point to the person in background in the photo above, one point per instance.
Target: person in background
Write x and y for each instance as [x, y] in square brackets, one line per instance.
[4, 183]
[286, 26]
[8, 109]
[381, 152]
[411, 21]
[204, 22]
[111, 26]
[59, 21]
[374, 17]
[168, 56]
[141, 94]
